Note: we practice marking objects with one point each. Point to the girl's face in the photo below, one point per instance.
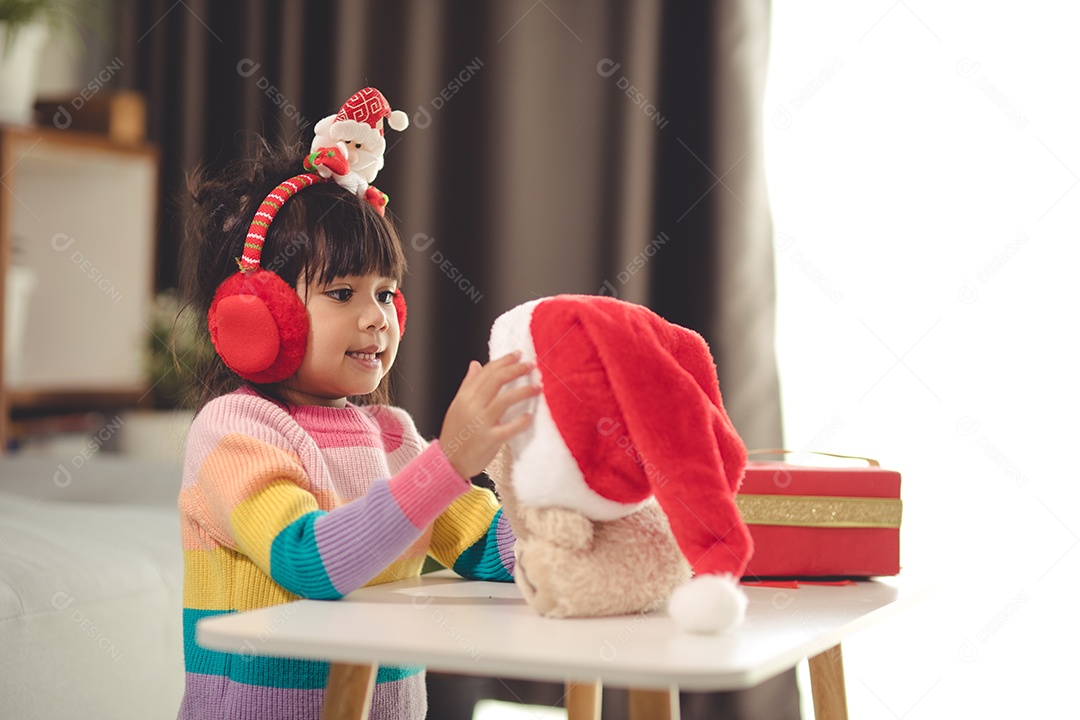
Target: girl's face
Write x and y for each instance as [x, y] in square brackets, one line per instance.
[352, 341]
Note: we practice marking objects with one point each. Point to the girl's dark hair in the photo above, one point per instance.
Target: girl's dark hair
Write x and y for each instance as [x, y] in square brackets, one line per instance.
[322, 232]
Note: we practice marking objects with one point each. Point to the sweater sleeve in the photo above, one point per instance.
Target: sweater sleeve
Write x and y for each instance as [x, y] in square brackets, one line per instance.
[474, 538]
[252, 495]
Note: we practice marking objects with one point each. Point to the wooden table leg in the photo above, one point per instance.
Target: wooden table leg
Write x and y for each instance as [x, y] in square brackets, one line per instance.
[583, 700]
[827, 685]
[654, 704]
[348, 692]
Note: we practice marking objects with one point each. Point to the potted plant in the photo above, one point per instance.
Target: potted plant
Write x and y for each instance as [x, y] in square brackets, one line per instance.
[173, 350]
[24, 28]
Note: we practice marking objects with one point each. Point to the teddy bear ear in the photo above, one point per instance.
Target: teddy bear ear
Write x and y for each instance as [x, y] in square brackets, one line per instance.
[565, 528]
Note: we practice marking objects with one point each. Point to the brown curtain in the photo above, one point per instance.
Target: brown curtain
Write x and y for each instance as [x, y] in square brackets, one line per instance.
[602, 147]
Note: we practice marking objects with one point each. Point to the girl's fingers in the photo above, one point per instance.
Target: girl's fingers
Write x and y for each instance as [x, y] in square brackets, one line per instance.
[502, 433]
[511, 397]
[474, 368]
[495, 378]
[494, 402]
[478, 376]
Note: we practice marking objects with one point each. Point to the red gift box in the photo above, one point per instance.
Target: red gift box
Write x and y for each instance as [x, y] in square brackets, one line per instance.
[821, 521]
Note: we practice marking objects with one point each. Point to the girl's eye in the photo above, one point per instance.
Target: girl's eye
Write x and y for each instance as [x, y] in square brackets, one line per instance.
[386, 297]
[341, 294]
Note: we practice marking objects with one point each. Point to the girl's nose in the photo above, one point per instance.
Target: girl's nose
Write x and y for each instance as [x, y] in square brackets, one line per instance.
[374, 317]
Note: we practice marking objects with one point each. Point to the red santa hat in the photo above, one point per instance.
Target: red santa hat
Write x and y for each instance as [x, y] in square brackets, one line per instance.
[631, 410]
[370, 106]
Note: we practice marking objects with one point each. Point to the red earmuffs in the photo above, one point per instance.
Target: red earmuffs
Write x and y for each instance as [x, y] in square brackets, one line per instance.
[258, 323]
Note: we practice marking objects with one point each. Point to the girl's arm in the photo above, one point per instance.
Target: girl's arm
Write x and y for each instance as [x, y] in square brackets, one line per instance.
[251, 495]
[473, 538]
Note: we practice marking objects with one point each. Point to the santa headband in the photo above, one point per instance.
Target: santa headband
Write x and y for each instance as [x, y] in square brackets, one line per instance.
[368, 106]
[257, 322]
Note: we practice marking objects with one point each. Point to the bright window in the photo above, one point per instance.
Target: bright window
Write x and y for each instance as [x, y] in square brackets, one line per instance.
[924, 172]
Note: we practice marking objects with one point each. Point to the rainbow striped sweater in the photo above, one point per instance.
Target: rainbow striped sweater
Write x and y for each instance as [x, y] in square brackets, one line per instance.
[314, 502]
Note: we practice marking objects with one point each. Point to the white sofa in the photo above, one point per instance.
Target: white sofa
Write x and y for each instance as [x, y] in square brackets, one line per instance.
[90, 588]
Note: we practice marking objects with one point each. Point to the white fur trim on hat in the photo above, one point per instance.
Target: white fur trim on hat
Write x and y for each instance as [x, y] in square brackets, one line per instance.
[544, 472]
[708, 604]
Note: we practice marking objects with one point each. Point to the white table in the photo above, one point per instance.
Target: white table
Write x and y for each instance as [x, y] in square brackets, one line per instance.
[481, 628]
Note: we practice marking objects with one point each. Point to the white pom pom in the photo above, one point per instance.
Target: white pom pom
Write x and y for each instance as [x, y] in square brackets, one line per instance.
[398, 120]
[708, 604]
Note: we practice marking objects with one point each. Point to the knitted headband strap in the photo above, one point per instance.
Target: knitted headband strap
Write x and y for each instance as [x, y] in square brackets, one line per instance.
[268, 210]
[260, 224]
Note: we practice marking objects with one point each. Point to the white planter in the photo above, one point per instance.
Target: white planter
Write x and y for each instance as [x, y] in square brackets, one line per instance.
[17, 293]
[19, 66]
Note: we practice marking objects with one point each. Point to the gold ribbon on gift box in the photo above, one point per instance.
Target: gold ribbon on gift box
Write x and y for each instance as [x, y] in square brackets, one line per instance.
[819, 510]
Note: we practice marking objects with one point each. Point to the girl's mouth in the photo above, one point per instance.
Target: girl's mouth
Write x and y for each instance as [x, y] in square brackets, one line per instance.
[369, 359]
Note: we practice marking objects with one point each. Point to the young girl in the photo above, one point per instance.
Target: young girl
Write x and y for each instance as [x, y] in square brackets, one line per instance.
[313, 486]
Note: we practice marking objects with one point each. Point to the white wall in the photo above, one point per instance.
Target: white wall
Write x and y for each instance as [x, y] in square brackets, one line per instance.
[924, 169]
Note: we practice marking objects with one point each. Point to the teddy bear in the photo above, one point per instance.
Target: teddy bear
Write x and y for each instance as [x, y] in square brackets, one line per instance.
[624, 484]
[567, 565]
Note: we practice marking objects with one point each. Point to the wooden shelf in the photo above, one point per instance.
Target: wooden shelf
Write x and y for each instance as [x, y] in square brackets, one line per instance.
[79, 210]
[61, 399]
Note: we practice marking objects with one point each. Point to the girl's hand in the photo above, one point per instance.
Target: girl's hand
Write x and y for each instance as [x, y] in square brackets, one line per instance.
[472, 432]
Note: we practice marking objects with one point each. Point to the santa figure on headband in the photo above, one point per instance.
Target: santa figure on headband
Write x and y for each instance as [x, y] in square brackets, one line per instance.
[355, 134]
